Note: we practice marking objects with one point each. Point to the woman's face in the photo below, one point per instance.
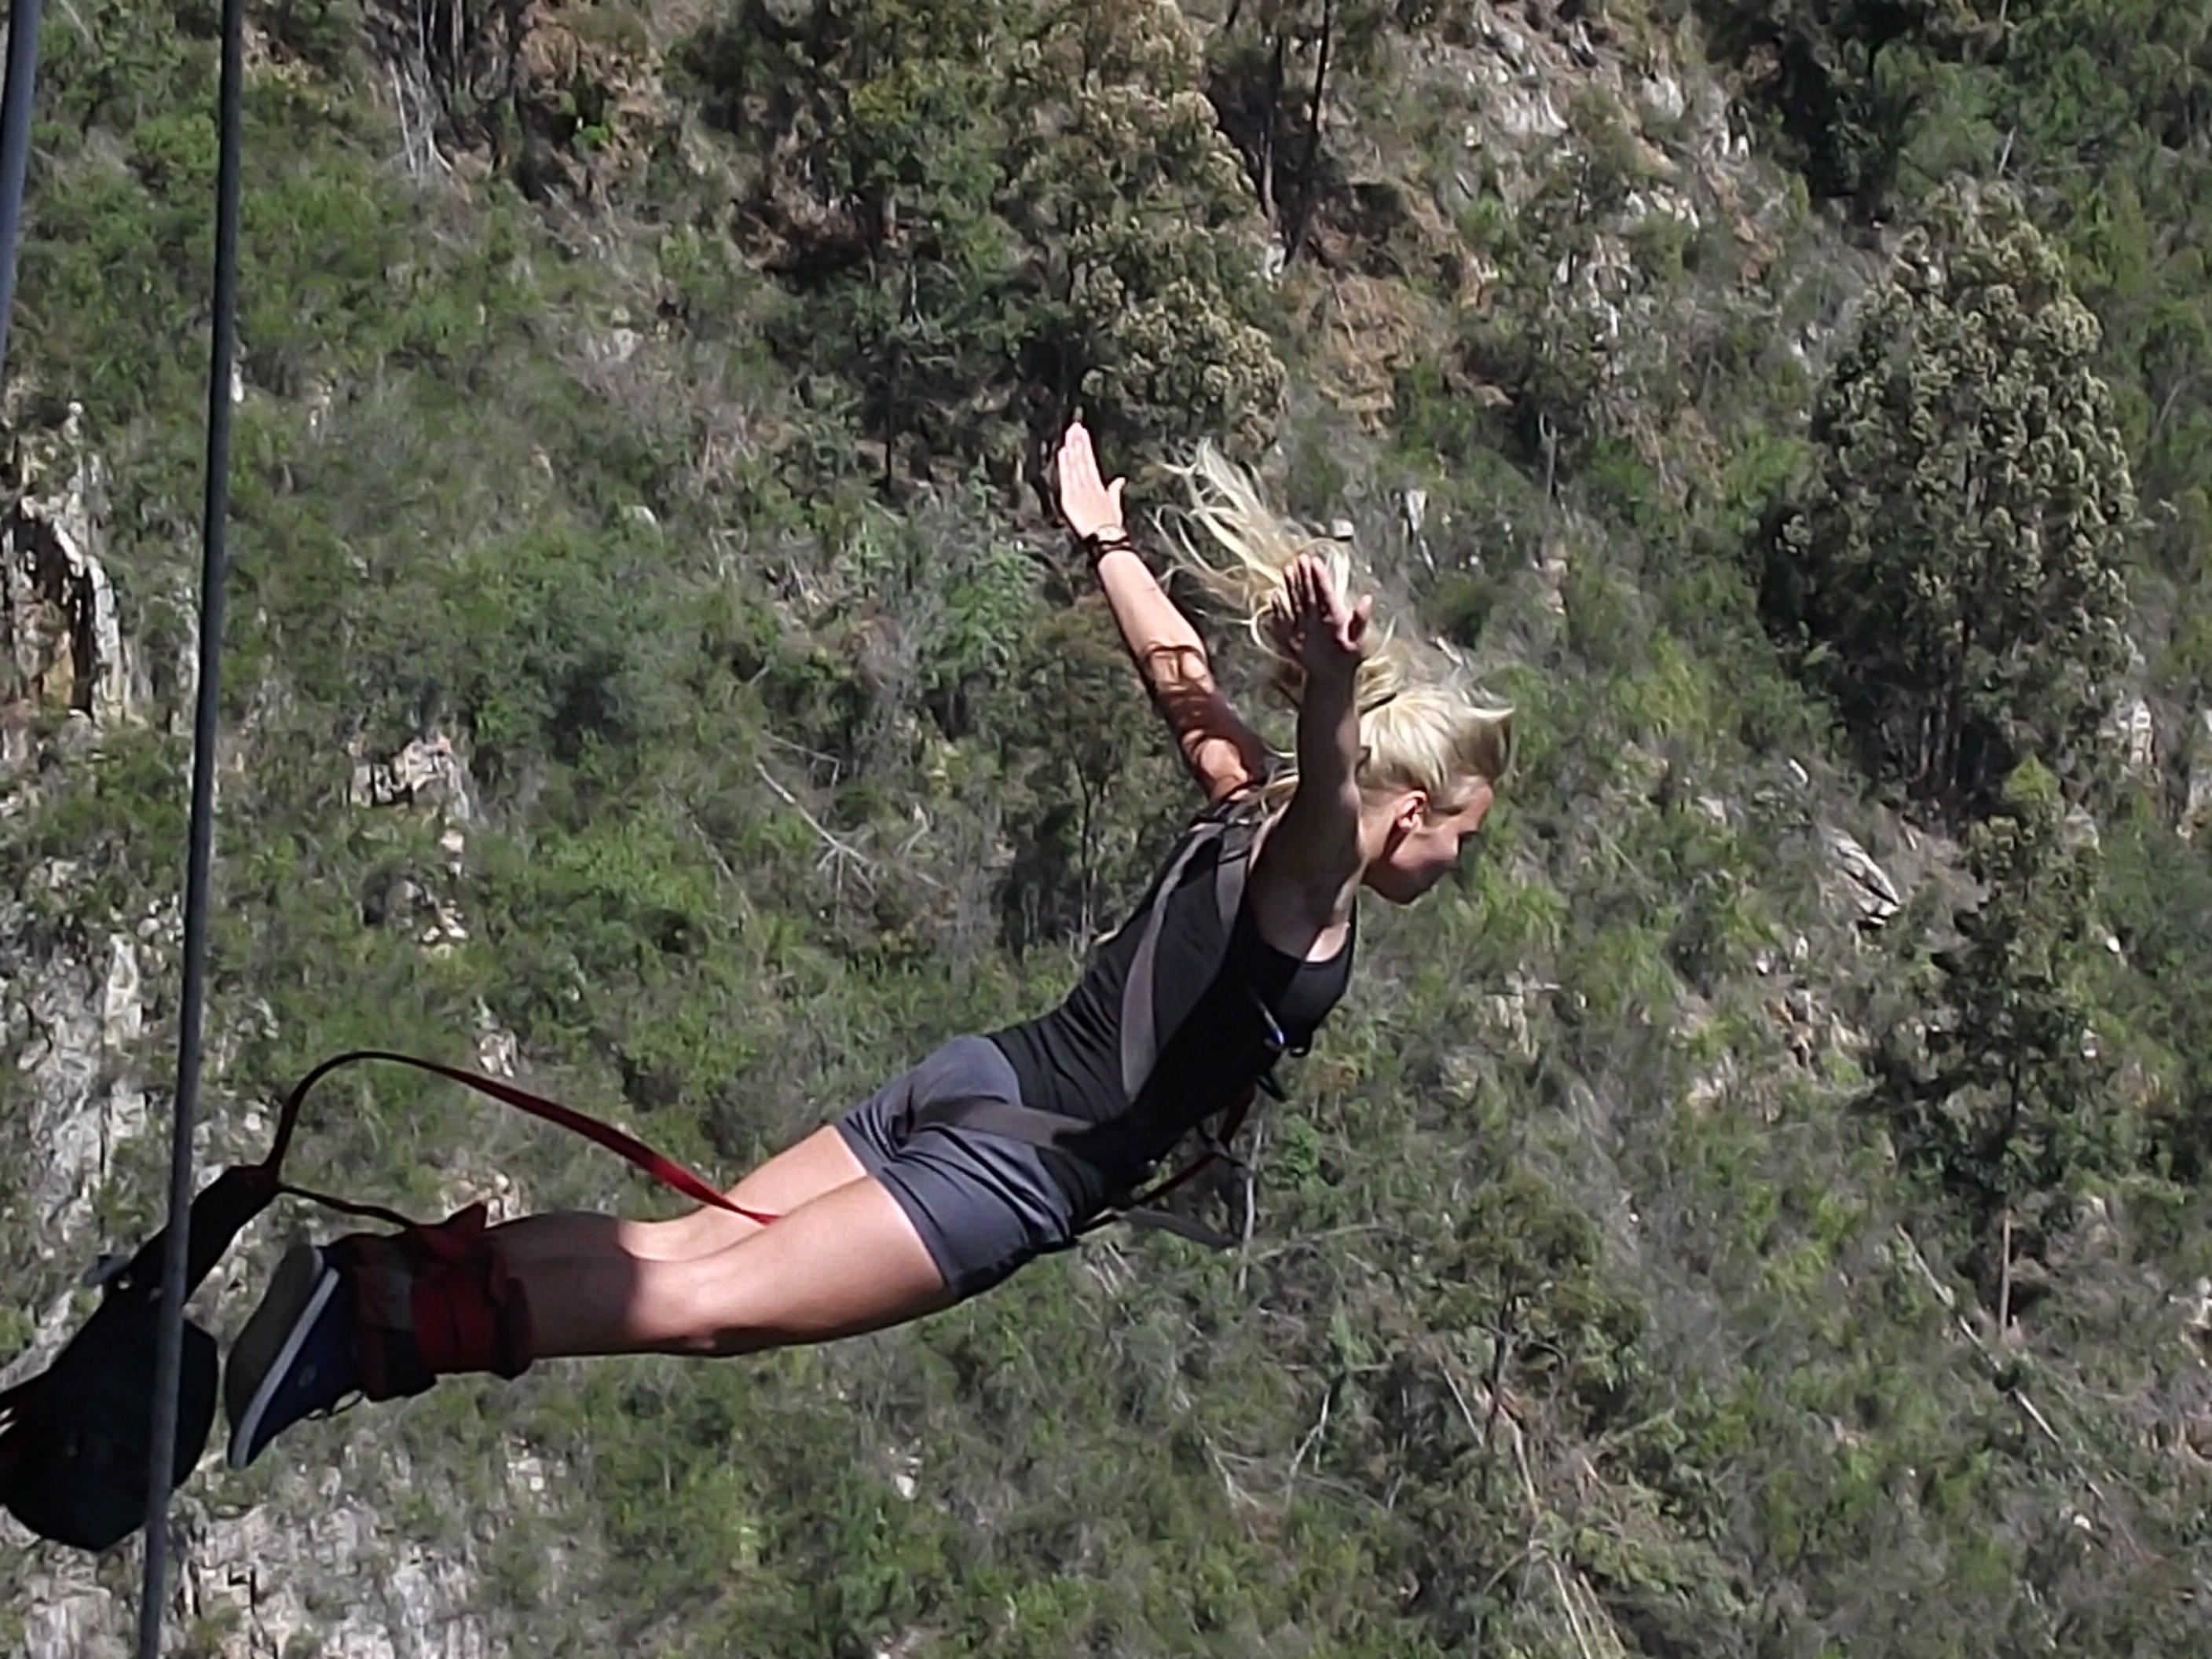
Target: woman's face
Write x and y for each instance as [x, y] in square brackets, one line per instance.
[1421, 841]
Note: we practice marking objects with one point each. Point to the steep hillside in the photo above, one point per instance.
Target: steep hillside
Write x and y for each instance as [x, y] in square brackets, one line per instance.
[1759, 1209]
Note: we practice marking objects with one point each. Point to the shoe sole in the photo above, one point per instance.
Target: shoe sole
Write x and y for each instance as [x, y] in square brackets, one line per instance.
[301, 1289]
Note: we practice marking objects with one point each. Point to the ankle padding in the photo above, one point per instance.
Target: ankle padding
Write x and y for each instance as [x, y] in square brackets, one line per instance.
[430, 1302]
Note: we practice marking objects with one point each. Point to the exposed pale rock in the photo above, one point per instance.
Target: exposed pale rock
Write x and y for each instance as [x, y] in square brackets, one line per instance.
[2198, 805]
[1707, 1090]
[1552, 568]
[497, 1050]
[2131, 730]
[1414, 506]
[409, 1600]
[77, 1621]
[2197, 1316]
[1869, 886]
[427, 772]
[61, 641]
[1527, 112]
[1507, 1012]
[122, 1014]
[69, 1017]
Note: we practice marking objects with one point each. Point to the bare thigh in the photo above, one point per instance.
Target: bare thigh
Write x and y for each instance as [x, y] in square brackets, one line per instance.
[841, 1264]
[804, 1171]
[549, 1243]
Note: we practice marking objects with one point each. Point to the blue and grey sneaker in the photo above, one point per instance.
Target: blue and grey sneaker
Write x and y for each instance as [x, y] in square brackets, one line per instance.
[295, 1359]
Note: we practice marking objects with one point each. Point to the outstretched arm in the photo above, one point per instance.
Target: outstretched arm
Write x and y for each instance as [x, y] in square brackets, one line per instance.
[1309, 862]
[1222, 752]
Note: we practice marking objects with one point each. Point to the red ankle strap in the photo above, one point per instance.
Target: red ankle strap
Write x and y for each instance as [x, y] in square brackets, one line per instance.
[432, 1301]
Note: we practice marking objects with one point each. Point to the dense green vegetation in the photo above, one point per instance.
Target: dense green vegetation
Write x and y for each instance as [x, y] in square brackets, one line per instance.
[1659, 1255]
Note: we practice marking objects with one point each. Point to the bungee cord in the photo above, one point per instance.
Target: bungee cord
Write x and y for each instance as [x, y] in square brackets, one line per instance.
[214, 569]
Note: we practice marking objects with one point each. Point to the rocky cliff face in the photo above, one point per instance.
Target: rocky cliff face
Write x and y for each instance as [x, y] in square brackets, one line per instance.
[72, 986]
[87, 1005]
[64, 650]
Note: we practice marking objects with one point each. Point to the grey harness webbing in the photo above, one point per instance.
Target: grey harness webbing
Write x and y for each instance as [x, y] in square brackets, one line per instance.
[1140, 1042]
[1074, 1138]
[1140, 1046]
[1106, 1145]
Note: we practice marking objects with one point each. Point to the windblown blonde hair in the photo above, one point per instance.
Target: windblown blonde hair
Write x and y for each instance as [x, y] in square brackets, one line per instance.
[1420, 725]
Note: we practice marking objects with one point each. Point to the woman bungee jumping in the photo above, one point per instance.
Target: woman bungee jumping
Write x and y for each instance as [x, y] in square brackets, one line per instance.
[996, 1148]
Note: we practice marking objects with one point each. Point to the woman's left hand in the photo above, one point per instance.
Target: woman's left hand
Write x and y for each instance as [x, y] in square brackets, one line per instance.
[1091, 507]
[1314, 626]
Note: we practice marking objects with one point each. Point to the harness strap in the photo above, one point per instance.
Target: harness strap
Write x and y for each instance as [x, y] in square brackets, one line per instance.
[660, 1167]
[1142, 1209]
[1074, 1137]
[1168, 1221]
[1141, 1041]
[1078, 1138]
[69, 1465]
[219, 1211]
[431, 1302]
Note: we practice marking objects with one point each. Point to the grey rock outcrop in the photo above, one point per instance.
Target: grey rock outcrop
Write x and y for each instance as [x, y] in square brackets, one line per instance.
[2197, 801]
[1867, 883]
[61, 645]
[427, 772]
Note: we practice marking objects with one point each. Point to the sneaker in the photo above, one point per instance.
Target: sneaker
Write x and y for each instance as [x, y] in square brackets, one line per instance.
[295, 1359]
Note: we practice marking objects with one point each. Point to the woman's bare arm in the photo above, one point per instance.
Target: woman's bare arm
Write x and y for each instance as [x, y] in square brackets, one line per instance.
[1317, 840]
[1221, 752]
[1309, 863]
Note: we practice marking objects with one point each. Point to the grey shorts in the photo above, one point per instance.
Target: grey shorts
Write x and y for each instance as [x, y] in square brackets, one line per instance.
[983, 1204]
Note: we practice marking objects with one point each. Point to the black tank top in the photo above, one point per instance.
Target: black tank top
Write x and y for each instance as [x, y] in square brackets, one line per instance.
[1182, 1008]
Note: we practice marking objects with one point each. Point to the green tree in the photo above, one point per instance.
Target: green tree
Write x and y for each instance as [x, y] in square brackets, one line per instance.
[885, 125]
[1143, 230]
[1075, 728]
[2018, 1112]
[1280, 127]
[1846, 82]
[1550, 332]
[987, 212]
[1955, 567]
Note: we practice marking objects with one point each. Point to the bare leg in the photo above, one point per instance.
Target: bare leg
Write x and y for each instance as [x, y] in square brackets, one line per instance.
[799, 1174]
[836, 1264]
[841, 1264]
[843, 1258]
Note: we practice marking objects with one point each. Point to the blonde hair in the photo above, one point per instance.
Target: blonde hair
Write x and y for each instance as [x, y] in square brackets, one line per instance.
[1420, 726]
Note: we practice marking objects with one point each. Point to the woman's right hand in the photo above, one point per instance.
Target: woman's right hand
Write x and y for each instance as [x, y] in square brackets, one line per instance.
[1091, 507]
[1314, 628]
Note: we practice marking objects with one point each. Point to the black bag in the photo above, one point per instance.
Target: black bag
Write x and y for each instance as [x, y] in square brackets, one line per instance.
[77, 1440]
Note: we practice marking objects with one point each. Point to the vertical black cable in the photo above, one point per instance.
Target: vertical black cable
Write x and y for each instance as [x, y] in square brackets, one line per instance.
[14, 151]
[169, 1362]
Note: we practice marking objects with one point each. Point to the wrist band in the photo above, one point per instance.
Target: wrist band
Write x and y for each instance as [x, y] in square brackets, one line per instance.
[1099, 543]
